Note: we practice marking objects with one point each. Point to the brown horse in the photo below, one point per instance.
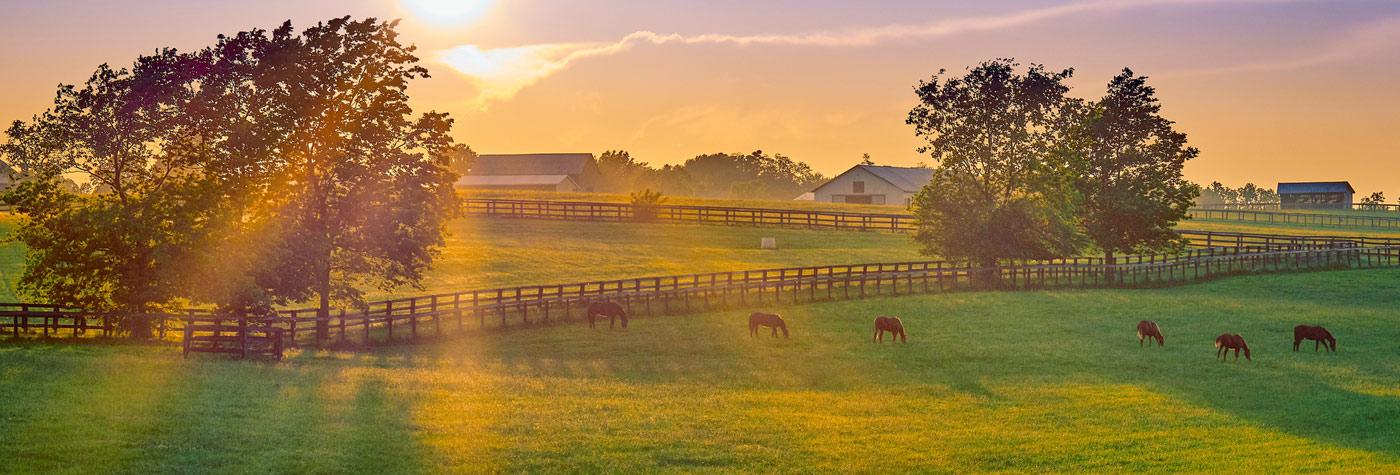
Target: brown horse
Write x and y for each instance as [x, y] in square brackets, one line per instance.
[1318, 334]
[889, 324]
[606, 309]
[1229, 341]
[771, 320]
[1148, 329]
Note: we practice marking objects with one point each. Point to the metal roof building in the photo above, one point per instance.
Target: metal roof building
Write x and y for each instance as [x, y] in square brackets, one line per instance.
[533, 171]
[874, 184]
[1316, 195]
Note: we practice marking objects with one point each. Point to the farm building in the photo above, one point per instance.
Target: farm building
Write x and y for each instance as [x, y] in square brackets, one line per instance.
[1316, 195]
[535, 171]
[873, 184]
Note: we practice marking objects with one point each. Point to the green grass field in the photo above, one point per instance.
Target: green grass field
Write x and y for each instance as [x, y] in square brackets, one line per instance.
[1035, 381]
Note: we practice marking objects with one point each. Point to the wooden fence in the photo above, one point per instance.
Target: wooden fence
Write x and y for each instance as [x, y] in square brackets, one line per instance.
[432, 316]
[818, 219]
[679, 214]
[1336, 220]
[1274, 206]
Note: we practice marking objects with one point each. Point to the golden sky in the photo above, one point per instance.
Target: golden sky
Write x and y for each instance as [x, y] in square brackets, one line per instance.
[1270, 90]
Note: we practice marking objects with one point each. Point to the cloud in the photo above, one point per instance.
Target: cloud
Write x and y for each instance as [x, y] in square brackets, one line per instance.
[500, 73]
[1372, 37]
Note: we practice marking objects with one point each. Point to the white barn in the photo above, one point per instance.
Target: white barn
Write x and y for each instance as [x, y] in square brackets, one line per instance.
[873, 184]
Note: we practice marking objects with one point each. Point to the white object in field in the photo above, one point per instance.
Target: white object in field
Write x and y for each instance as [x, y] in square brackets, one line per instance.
[769, 243]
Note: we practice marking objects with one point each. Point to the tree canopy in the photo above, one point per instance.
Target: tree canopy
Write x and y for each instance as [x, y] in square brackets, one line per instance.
[1127, 161]
[1026, 172]
[269, 167]
[995, 193]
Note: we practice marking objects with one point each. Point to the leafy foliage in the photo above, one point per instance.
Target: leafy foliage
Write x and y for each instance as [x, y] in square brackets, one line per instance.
[1127, 164]
[996, 192]
[754, 175]
[644, 204]
[268, 168]
[1249, 194]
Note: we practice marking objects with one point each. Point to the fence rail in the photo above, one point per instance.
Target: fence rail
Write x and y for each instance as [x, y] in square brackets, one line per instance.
[818, 219]
[432, 316]
[1310, 219]
[1276, 206]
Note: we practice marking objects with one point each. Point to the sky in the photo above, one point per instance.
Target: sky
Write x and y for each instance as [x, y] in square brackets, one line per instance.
[1269, 90]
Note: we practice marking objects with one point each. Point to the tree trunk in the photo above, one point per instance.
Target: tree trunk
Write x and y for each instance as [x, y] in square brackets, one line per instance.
[987, 275]
[323, 312]
[1108, 260]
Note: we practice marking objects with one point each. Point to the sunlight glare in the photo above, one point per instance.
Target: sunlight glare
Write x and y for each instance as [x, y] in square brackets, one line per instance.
[448, 12]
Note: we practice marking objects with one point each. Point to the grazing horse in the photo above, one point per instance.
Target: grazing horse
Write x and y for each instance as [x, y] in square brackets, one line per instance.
[1147, 329]
[771, 320]
[889, 324]
[1229, 341]
[1318, 334]
[607, 309]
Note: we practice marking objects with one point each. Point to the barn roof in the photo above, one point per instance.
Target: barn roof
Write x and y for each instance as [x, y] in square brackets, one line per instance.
[532, 164]
[1315, 187]
[513, 180]
[906, 179]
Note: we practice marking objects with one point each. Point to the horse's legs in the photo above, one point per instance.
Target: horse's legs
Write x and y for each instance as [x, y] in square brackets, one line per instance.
[1296, 341]
[1237, 354]
[1315, 344]
[775, 331]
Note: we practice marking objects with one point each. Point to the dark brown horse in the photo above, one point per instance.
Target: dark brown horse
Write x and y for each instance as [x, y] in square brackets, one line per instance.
[771, 320]
[606, 309]
[1148, 329]
[1318, 334]
[1230, 341]
[889, 324]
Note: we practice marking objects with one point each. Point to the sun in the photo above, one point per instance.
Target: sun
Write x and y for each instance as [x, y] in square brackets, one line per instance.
[448, 12]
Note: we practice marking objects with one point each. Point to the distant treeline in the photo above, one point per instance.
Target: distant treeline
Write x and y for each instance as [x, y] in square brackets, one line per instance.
[754, 175]
[1249, 194]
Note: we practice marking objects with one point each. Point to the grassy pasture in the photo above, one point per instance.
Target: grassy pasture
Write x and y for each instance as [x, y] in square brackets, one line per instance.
[1034, 381]
[484, 252]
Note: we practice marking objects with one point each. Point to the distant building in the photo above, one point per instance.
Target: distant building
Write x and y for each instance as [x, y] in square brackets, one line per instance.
[1316, 195]
[535, 171]
[874, 185]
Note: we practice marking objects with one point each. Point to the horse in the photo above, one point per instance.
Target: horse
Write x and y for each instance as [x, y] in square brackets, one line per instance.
[1229, 341]
[889, 324]
[771, 320]
[1147, 329]
[607, 309]
[1318, 334]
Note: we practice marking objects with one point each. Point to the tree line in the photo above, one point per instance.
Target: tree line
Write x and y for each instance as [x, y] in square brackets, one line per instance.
[268, 168]
[1249, 194]
[754, 175]
[1024, 171]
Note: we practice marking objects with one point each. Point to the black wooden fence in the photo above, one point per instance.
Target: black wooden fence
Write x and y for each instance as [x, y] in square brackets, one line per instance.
[1336, 220]
[432, 316]
[820, 219]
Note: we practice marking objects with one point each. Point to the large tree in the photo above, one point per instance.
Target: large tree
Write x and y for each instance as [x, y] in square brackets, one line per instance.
[121, 249]
[1127, 160]
[997, 192]
[270, 167]
[363, 189]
